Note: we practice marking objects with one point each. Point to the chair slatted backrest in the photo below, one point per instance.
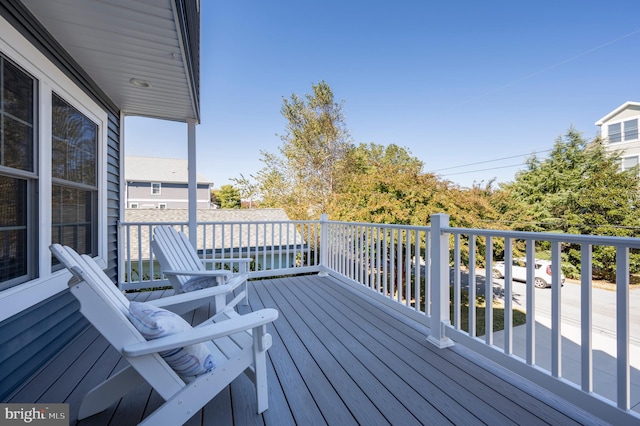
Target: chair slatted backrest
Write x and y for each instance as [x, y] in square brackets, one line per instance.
[173, 248]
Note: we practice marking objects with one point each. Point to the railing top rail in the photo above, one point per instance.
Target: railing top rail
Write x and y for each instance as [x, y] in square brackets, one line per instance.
[543, 236]
[225, 222]
[123, 223]
[383, 225]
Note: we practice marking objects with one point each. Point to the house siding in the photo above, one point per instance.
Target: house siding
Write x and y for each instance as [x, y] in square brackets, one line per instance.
[29, 339]
[174, 195]
[626, 148]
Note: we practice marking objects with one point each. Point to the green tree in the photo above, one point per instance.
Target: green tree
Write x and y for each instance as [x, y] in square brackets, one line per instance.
[247, 188]
[578, 189]
[304, 175]
[229, 197]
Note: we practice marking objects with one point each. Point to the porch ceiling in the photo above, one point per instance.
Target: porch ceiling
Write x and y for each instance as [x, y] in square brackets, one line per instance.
[120, 43]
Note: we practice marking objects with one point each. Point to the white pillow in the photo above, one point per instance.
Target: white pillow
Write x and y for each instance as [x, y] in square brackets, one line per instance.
[154, 322]
[198, 283]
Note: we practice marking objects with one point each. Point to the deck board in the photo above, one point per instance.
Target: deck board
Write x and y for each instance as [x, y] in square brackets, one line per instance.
[337, 358]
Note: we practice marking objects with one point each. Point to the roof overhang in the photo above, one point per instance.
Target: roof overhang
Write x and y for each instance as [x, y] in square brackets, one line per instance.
[143, 55]
[616, 112]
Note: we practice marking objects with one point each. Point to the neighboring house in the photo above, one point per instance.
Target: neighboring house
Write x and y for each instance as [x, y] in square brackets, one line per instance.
[240, 233]
[162, 183]
[619, 129]
[70, 71]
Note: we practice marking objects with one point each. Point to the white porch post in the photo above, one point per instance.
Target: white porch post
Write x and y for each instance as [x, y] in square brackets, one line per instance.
[324, 245]
[439, 281]
[193, 182]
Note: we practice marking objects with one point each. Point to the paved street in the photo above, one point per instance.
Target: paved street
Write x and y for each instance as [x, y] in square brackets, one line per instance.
[604, 333]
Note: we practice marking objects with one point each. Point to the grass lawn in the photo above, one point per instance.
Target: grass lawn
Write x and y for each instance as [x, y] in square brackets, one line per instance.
[518, 317]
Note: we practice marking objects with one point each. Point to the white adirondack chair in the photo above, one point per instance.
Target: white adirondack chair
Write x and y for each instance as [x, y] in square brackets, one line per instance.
[238, 343]
[180, 263]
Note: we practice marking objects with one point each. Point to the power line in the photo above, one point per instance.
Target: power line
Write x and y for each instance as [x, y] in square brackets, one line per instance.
[489, 161]
[484, 170]
[491, 92]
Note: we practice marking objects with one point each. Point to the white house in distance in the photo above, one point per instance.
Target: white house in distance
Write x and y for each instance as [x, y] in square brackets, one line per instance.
[619, 129]
[162, 183]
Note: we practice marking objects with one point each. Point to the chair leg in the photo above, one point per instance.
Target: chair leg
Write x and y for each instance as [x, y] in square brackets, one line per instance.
[245, 301]
[106, 393]
[261, 342]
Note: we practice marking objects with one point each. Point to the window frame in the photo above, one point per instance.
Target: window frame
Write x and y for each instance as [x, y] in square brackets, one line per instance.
[155, 185]
[15, 47]
[621, 135]
[31, 178]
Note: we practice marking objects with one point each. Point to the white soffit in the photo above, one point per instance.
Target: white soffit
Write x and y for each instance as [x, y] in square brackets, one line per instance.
[122, 44]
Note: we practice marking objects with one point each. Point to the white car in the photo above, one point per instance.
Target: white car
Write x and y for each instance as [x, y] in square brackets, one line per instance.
[519, 272]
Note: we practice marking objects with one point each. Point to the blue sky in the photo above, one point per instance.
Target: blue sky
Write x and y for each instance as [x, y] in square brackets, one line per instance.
[458, 83]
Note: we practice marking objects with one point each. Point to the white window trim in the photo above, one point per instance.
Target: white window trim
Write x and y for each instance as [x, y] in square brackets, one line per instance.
[622, 131]
[50, 79]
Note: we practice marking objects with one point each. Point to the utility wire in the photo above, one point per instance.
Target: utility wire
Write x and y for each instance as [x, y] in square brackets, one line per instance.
[490, 161]
[491, 92]
[484, 170]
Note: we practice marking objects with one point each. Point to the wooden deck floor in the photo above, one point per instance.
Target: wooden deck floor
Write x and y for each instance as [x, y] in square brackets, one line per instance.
[336, 359]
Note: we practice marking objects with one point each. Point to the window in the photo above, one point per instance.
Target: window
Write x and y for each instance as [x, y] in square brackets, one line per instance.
[162, 205]
[134, 205]
[74, 191]
[18, 177]
[629, 162]
[615, 134]
[625, 131]
[631, 130]
[155, 189]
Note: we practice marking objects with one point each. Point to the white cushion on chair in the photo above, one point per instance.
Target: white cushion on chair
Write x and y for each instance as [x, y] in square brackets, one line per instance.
[154, 322]
[198, 283]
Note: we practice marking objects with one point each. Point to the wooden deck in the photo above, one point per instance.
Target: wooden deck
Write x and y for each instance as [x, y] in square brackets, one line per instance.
[337, 358]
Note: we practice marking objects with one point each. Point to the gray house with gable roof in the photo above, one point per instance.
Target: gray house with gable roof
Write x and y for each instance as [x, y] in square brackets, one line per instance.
[162, 183]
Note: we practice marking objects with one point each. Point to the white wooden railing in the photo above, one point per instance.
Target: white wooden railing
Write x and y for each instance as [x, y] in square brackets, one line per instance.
[423, 271]
[276, 247]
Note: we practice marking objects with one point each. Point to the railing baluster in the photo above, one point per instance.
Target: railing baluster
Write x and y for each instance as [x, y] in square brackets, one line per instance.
[488, 291]
[472, 285]
[556, 311]
[586, 318]
[508, 295]
[456, 281]
[622, 327]
[531, 306]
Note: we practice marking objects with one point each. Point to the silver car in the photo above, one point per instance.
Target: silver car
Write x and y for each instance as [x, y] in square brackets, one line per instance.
[542, 272]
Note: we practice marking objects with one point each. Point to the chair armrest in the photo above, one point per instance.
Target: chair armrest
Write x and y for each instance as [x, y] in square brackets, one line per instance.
[217, 273]
[231, 260]
[202, 334]
[243, 262]
[203, 294]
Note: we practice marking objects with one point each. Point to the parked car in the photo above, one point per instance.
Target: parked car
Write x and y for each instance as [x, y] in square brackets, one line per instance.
[542, 274]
